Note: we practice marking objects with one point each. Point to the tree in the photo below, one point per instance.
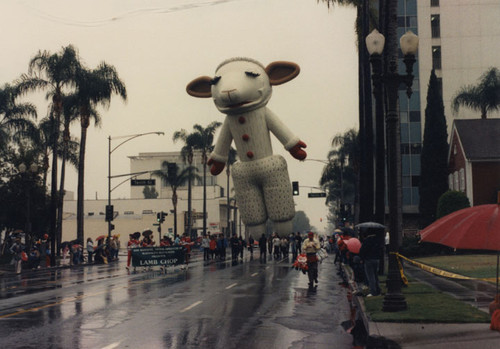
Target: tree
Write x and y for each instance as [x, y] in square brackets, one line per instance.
[340, 176]
[14, 117]
[301, 222]
[201, 139]
[93, 88]
[169, 175]
[366, 18]
[56, 73]
[450, 202]
[149, 192]
[434, 156]
[483, 97]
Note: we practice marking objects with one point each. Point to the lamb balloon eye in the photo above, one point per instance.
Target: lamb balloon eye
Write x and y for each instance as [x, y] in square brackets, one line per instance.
[252, 74]
[215, 80]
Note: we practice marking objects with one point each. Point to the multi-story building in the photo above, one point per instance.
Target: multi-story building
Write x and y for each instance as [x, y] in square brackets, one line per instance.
[460, 40]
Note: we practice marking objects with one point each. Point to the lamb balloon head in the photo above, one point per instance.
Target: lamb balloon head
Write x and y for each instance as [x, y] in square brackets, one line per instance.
[242, 84]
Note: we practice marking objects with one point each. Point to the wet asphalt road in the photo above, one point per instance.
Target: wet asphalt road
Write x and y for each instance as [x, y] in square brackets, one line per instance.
[244, 304]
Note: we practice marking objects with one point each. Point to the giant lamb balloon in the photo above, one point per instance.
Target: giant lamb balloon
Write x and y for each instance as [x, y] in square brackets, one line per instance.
[241, 89]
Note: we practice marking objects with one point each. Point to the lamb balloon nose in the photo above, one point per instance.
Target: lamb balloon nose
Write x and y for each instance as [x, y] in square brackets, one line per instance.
[228, 92]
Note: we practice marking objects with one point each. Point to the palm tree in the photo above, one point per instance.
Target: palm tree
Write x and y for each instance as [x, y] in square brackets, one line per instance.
[366, 18]
[14, 118]
[187, 153]
[483, 97]
[55, 72]
[169, 176]
[202, 140]
[68, 152]
[340, 176]
[93, 88]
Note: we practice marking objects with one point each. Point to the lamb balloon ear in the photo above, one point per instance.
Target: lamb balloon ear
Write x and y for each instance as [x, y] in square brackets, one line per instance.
[200, 87]
[281, 72]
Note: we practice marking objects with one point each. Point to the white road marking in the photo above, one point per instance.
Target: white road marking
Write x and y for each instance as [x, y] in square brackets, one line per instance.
[231, 286]
[191, 306]
[112, 345]
[254, 274]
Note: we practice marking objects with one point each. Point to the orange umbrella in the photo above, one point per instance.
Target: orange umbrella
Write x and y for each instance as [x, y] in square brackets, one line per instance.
[472, 228]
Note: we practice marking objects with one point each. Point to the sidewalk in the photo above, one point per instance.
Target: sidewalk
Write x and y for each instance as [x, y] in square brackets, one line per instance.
[415, 335]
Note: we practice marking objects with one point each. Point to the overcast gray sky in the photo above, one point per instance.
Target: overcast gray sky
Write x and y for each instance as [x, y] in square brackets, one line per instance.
[158, 46]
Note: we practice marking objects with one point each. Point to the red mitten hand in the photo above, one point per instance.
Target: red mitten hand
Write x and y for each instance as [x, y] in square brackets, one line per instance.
[217, 166]
[297, 151]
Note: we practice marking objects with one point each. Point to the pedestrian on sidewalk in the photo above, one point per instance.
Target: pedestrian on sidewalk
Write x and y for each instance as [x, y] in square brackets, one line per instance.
[90, 250]
[242, 244]
[235, 247]
[17, 249]
[263, 247]
[205, 245]
[310, 247]
[370, 253]
[250, 246]
[276, 246]
[213, 247]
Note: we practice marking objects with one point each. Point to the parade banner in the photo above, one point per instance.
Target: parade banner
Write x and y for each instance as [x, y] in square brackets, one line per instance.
[165, 256]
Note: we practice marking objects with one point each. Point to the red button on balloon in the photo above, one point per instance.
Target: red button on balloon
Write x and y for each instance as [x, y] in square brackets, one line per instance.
[250, 154]
[241, 119]
[245, 137]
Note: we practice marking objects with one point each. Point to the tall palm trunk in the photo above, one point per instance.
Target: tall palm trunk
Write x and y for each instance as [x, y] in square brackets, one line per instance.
[53, 190]
[60, 204]
[204, 158]
[81, 177]
[174, 203]
[190, 191]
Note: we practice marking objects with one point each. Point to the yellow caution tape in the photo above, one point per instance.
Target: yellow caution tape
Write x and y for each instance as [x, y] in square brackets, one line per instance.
[435, 271]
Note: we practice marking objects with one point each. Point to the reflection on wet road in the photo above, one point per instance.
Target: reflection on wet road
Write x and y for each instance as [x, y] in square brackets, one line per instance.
[244, 304]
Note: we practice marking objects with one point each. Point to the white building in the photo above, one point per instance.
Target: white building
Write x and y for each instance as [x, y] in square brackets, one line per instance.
[139, 214]
[460, 39]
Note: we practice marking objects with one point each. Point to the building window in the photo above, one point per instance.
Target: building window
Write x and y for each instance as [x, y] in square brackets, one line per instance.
[455, 181]
[436, 57]
[462, 179]
[128, 212]
[435, 26]
[434, 3]
[450, 181]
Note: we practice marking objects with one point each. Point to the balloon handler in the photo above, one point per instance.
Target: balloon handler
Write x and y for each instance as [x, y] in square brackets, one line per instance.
[310, 247]
[241, 89]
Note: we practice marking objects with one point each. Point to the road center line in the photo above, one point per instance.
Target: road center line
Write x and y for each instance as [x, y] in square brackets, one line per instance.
[191, 306]
[231, 286]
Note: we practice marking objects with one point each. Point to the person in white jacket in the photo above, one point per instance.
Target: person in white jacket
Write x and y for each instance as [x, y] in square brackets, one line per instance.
[310, 247]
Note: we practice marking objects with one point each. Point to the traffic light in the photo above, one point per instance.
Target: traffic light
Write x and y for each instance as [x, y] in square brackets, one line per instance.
[160, 216]
[295, 188]
[109, 213]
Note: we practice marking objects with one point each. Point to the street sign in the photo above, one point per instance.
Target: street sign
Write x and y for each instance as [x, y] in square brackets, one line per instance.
[316, 195]
[137, 182]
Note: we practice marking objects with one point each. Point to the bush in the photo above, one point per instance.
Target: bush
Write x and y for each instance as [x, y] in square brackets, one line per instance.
[412, 247]
[450, 202]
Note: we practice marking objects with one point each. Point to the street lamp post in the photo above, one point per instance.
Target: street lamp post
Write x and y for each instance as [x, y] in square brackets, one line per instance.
[26, 173]
[109, 208]
[394, 299]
